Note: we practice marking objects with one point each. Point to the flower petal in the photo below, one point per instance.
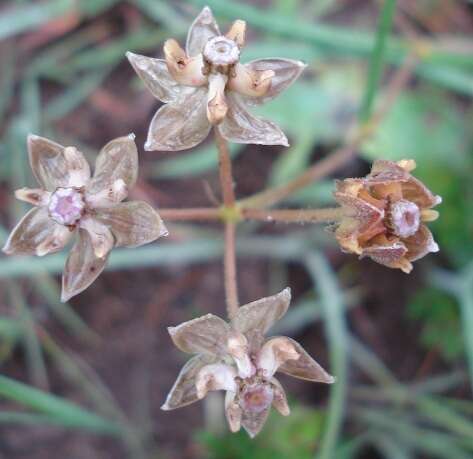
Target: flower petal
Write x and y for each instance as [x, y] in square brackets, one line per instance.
[180, 125]
[262, 314]
[233, 412]
[155, 75]
[133, 223]
[420, 244]
[56, 166]
[36, 196]
[216, 376]
[118, 160]
[201, 31]
[240, 126]
[274, 353]
[253, 422]
[100, 236]
[388, 253]
[184, 391]
[36, 234]
[82, 267]
[205, 335]
[279, 398]
[305, 367]
[414, 190]
[286, 71]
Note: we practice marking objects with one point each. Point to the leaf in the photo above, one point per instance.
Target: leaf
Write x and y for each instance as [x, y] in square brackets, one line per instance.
[425, 126]
[62, 411]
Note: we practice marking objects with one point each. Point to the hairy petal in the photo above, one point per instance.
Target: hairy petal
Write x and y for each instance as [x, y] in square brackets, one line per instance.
[118, 160]
[279, 398]
[155, 75]
[56, 166]
[133, 223]
[201, 31]
[82, 267]
[390, 254]
[216, 376]
[420, 244]
[262, 314]
[205, 335]
[233, 412]
[240, 126]
[274, 353]
[305, 367]
[180, 125]
[238, 349]
[36, 196]
[100, 236]
[36, 234]
[184, 391]
[286, 71]
[253, 422]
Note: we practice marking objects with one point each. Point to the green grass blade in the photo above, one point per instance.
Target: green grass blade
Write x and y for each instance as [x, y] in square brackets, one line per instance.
[34, 354]
[377, 58]
[62, 411]
[333, 309]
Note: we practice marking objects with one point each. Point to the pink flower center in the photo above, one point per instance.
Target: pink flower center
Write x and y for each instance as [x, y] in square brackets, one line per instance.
[256, 398]
[405, 218]
[66, 206]
[221, 51]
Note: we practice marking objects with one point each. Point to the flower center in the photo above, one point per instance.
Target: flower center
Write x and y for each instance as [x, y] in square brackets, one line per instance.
[405, 218]
[66, 206]
[256, 398]
[221, 51]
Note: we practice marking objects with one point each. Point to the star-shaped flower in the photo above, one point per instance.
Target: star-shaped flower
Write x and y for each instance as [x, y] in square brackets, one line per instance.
[238, 359]
[70, 201]
[207, 85]
[385, 214]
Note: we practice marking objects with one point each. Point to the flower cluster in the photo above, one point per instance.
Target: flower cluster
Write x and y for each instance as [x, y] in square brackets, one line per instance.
[385, 214]
[238, 359]
[206, 85]
[70, 201]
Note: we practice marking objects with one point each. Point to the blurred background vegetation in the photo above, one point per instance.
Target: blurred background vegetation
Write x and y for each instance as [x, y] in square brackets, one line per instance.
[86, 379]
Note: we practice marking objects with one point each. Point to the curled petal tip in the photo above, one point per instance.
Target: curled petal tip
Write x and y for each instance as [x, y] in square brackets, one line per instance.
[165, 407]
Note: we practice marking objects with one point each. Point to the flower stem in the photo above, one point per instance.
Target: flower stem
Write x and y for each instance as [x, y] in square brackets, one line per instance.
[228, 194]
[225, 170]
[294, 215]
[231, 290]
[203, 213]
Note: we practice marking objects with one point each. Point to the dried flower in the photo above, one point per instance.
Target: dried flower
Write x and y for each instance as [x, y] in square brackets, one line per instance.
[237, 359]
[206, 85]
[69, 199]
[384, 215]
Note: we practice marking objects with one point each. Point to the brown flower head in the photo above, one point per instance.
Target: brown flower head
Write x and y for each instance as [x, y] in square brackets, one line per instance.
[206, 85]
[238, 359]
[69, 200]
[385, 214]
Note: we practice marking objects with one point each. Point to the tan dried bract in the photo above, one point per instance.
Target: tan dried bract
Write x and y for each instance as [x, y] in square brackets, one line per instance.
[238, 359]
[385, 215]
[205, 85]
[70, 201]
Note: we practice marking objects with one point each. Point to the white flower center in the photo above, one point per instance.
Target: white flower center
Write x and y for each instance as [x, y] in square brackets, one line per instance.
[221, 51]
[405, 218]
[66, 206]
[256, 398]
